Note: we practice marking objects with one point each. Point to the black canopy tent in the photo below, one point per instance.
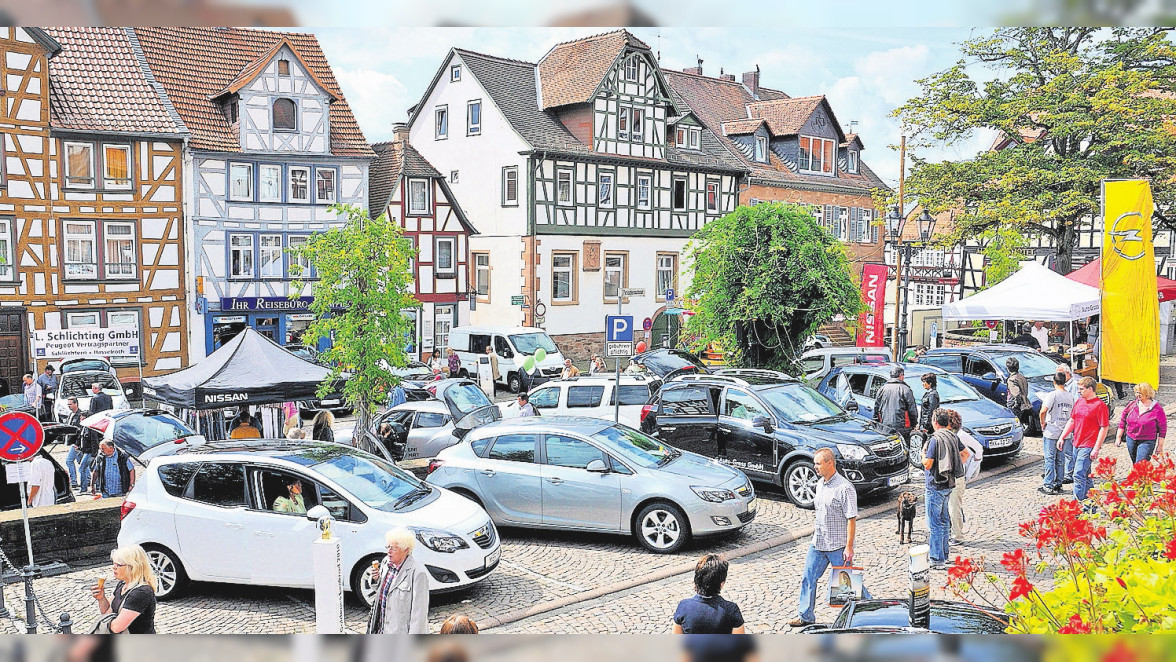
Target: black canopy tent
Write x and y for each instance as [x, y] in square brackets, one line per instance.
[250, 369]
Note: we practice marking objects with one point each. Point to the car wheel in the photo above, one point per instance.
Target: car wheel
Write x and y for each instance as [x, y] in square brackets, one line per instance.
[514, 382]
[800, 483]
[169, 571]
[662, 528]
[915, 450]
[362, 584]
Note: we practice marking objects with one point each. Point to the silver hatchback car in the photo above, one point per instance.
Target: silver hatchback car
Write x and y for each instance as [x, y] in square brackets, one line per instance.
[587, 474]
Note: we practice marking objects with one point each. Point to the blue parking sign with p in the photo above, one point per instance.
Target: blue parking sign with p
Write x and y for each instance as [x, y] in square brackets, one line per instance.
[618, 328]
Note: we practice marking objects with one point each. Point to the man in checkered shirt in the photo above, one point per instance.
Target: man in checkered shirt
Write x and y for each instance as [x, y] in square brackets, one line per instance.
[836, 522]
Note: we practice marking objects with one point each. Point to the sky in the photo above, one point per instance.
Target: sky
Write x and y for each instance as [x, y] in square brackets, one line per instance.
[865, 72]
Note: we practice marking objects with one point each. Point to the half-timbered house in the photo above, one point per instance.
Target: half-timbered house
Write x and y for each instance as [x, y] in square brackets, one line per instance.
[273, 145]
[90, 209]
[576, 190]
[416, 195]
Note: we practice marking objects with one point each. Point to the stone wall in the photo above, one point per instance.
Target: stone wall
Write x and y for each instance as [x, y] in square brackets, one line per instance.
[66, 532]
[579, 347]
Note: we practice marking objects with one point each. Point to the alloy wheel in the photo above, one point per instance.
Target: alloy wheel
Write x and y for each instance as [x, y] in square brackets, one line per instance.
[661, 529]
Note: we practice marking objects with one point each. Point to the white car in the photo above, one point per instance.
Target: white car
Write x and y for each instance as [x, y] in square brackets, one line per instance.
[144, 433]
[592, 396]
[78, 383]
[208, 515]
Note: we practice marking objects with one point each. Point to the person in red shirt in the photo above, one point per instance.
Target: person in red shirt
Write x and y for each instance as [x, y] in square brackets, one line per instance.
[1089, 421]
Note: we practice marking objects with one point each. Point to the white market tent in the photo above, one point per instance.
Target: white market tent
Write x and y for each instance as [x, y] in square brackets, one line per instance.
[1033, 293]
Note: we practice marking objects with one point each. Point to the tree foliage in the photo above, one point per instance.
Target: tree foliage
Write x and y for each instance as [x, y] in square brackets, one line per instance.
[1080, 105]
[764, 278]
[362, 283]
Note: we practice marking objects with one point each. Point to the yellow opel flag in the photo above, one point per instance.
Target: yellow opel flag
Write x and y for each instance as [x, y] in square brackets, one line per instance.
[1130, 322]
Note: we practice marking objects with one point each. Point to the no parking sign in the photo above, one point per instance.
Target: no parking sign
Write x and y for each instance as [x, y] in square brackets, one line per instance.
[21, 436]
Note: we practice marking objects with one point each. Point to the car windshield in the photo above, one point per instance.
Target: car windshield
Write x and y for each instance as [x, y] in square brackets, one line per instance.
[85, 364]
[797, 403]
[371, 480]
[638, 448]
[662, 363]
[527, 343]
[1033, 364]
[414, 370]
[78, 386]
[14, 401]
[951, 388]
[466, 398]
[136, 433]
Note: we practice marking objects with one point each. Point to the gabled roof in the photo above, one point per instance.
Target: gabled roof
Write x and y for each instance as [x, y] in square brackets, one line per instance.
[742, 127]
[572, 71]
[41, 37]
[853, 139]
[98, 82]
[786, 117]
[194, 65]
[396, 159]
[254, 68]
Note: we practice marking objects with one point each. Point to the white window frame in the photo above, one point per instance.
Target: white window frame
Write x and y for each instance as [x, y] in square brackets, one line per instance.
[761, 149]
[234, 168]
[510, 174]
[133, 265]
[852, 158]
[695, 138]
[413, 209]
[473, 128]
[624, 121]
[73, 182]
[560, 199]
[7, 254]
[437, 266]
[606, 184]
[309, 184]
[98, 318]
[261, 171]
[455, 73]
[442, 325]
[557, 269]
[632, 68]
[334, 177]
[89, 268]
[637, 127]
[806, 165]
[269, 257]
[250, 250]
[648, 185]
[293, 242]
[685, 194]
[441, 122]
[482, 275]
[667, 265]
[717, 203]
[866, 218]
[621, 271]
[111, 183]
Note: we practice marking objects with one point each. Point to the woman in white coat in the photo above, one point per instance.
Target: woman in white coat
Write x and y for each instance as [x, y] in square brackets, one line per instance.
[401, 603]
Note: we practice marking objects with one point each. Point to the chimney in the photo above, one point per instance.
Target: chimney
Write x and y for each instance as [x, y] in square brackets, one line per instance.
[400, 131]
[751, 81]
[730, 77]
[697, 71]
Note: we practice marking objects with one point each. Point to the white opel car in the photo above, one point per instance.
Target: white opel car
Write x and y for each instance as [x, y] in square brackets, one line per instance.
[208, 514]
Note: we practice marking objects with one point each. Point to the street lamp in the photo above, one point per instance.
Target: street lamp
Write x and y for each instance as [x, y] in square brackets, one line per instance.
[903, 250]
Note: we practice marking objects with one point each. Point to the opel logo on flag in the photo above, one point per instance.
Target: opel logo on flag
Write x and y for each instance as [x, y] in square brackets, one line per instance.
[1127, 242]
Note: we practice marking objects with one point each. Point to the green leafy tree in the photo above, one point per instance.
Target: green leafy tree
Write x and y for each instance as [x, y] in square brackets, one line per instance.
[1003, 251]
[1081, 105]
[363, 283]
[765, 278]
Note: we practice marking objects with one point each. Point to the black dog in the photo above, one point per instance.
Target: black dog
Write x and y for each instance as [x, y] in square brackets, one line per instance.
[906, 515]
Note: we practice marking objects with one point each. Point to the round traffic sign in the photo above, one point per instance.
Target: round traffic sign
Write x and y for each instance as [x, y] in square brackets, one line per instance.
[647, 324]
[21, 436]
[990, 324]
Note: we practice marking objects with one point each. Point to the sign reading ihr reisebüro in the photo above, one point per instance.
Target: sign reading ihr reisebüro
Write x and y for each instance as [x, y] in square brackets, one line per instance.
[90, 341]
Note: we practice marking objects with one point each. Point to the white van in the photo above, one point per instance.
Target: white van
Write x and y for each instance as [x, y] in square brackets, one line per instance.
[512, 345]
[592, 396]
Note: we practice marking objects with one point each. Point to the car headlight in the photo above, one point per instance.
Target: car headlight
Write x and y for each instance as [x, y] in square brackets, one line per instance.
[713, 495]
[440, 541]
[852, 452]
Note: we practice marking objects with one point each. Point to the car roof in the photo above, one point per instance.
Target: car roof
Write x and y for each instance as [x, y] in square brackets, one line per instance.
[430, 405]
[991, 347]
[830, 351]
[757, 382]
[581, 424]
[505, 330]
[896, 613]
[883, 369]
[303, 453]
[604, 377]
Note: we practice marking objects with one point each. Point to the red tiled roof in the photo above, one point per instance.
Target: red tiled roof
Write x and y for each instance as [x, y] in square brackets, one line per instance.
[741, 127]
[250, 72]
[850, 138]
[96, 83]
[570, 72]
[196, 64]
[785, 117]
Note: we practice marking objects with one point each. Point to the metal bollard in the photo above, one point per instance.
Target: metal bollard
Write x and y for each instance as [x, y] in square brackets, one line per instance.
[65, 624]
[27, 573]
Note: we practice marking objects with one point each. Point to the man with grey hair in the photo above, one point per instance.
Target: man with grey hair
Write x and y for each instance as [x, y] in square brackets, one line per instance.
[895, 404]
[401, 602]
[1068, 445]
[835, 507]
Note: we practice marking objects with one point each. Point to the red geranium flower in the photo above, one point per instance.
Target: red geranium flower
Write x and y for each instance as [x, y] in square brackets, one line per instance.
[1015, 562]
[1105, 468]
[1075, 626]
[1170, 551]
[1119, 653]
[1021, 587]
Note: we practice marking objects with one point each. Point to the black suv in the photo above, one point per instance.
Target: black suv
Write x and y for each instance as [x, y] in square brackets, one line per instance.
[769, 425]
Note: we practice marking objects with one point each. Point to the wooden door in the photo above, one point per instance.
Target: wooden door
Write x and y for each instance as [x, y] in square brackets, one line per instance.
[13, 351]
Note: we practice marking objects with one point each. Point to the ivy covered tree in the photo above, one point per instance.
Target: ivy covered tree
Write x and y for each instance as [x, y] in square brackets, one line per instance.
[363, 282]
[1079, 104]
[765, 278]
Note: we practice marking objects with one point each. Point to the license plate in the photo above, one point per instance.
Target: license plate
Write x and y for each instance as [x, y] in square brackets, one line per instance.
[493, 557]
[330, 402]
[898, 480]
[752, 505]
[1000, 443]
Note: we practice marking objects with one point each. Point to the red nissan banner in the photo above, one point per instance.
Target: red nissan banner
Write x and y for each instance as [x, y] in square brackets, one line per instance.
[871, 325]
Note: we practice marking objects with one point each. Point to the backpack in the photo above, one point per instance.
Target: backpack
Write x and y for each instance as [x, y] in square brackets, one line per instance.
[947, 448]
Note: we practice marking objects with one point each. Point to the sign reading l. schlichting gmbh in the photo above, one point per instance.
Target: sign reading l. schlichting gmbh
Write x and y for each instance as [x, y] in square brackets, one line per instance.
[91, 341]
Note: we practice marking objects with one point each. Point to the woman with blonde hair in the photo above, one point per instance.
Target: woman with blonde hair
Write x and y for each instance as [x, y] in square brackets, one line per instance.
[1144, 423]
[133, 602]
[323, 421]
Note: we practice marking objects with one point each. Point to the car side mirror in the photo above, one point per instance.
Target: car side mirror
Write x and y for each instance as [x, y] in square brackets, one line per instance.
[507, 354]
[852, 406]
[762, 422]
[990, 377]
[318, 512]
[597, 467]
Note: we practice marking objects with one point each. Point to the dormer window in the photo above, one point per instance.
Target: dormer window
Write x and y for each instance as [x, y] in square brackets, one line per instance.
[761, 149]
[283, 67]
[231, 110]
[853, 160]
[695, 138]
[688, 137]
[816, 155]
[285, 115]
[632, 67]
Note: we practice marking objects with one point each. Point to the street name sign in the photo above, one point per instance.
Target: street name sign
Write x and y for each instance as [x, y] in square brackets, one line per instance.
[632, 291]
[517, 300]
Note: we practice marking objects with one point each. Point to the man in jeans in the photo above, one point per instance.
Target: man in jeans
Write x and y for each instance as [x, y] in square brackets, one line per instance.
[941, 459]
[1089, 420]
[1055, 412]
[1068, 442]
[835, 508]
